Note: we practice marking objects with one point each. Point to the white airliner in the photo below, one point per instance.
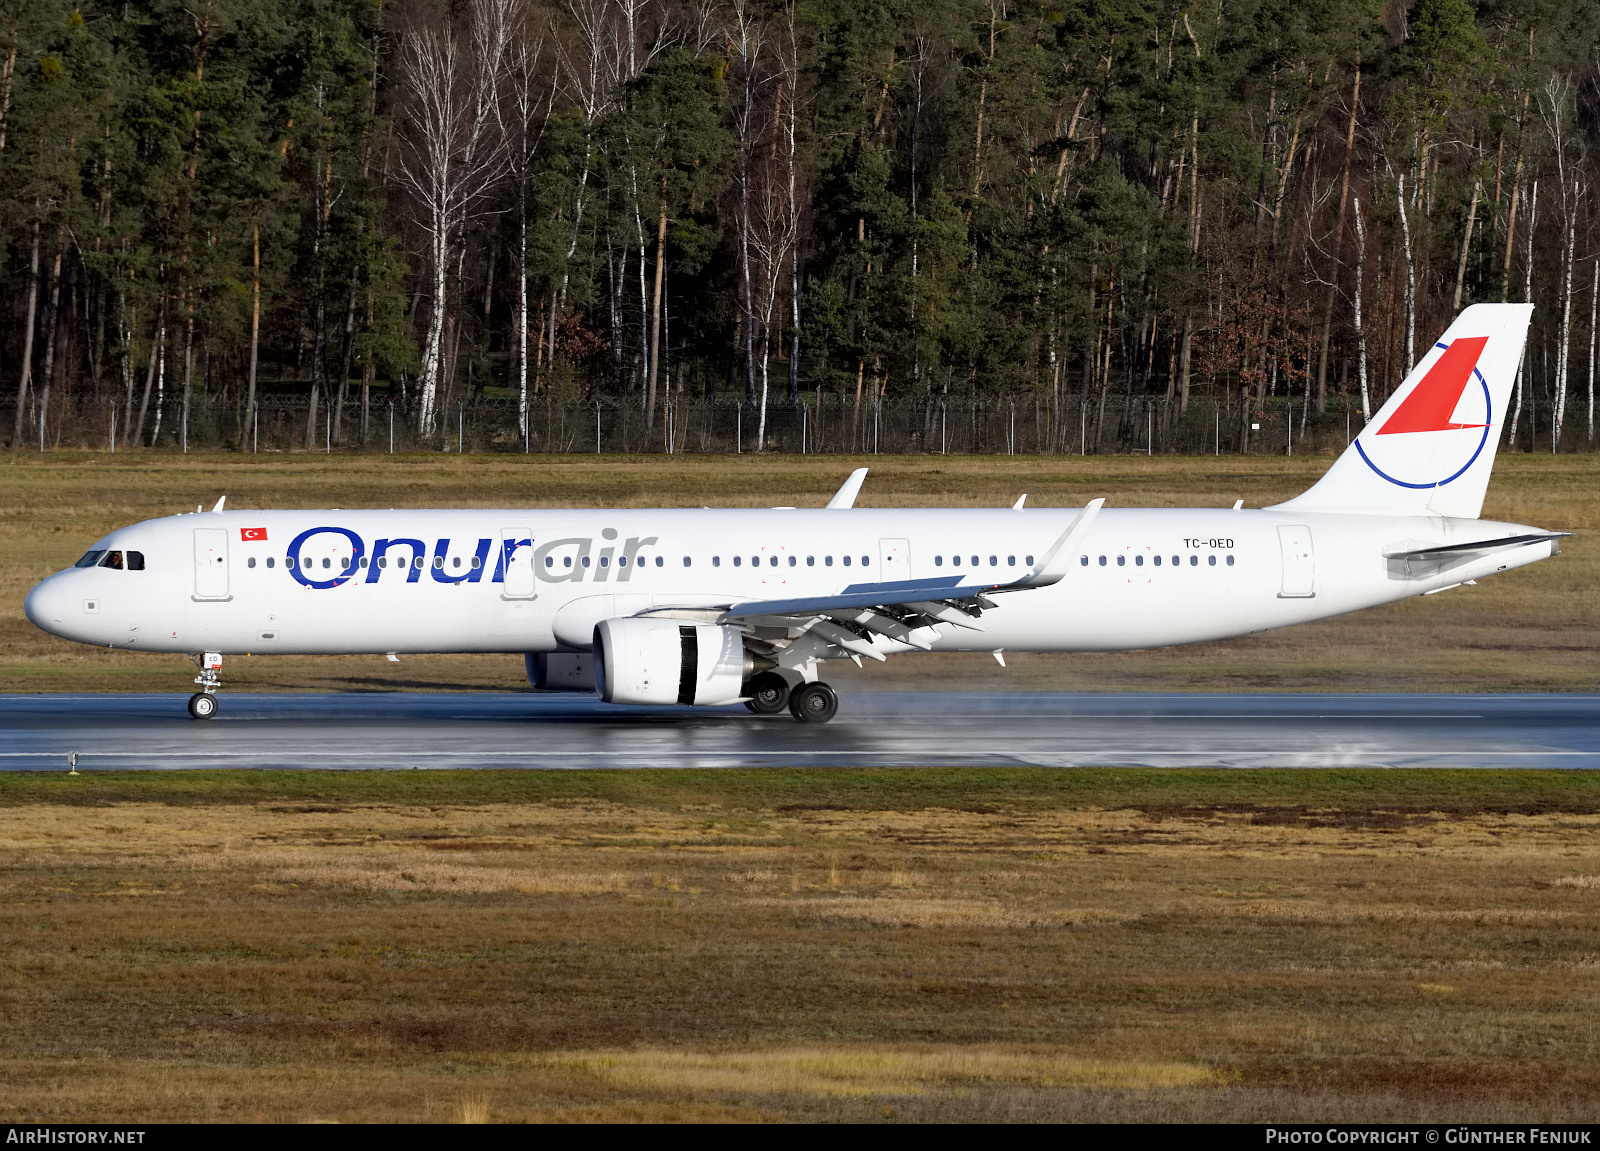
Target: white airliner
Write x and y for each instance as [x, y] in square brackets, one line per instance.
[722, 606]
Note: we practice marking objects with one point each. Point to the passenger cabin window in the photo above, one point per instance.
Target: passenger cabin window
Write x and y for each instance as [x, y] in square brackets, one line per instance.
[272, 562]
[687, 562]
[938, 561]
[1230, 561]
[1194, 561]
[955, 560]
[827, 561]
[716, 561]
[1212, 560]
[811, 561]
[1102, 561]
[846, 561]
[1084, 560]
[738, 561]
[251, 562]
[1122, 561]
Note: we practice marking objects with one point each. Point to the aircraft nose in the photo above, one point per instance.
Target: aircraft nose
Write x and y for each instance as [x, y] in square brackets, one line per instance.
[45, 605]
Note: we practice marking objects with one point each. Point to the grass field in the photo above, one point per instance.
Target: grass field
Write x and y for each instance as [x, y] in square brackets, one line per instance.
[1531, 630]
[867, 945]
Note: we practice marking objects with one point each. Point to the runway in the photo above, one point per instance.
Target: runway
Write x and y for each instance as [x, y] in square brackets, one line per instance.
[484, 730]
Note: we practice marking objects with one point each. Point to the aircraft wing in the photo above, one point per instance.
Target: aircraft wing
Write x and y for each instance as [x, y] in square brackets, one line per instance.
[849, 619]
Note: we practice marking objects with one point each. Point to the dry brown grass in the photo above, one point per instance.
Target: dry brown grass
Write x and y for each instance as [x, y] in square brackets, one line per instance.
[643, 960]
[1531, 630]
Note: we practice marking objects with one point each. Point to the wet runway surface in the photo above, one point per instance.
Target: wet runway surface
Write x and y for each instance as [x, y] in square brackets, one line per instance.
[394, 730]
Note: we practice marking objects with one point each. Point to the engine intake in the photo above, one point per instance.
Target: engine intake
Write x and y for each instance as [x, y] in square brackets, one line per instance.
[656, 661]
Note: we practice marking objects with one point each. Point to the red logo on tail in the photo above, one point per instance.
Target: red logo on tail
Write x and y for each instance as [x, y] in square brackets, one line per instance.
[1433, 401]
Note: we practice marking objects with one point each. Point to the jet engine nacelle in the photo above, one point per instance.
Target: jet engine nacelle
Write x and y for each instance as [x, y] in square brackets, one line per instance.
[655, 661]
[560, 671]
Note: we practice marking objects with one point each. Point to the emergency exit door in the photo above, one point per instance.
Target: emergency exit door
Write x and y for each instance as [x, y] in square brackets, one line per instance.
[516, 559]
[894, 560]
[1299, 562]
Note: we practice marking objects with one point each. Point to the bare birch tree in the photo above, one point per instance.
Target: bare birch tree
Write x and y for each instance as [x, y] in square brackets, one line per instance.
[452, 152]
[524, 91]
[1360, 324]
[1553, 104]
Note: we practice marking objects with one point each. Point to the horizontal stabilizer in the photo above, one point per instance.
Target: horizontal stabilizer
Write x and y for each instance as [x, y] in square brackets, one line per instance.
[1478, 547]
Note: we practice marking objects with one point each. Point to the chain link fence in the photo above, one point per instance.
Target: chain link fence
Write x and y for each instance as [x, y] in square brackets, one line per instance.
[825, 423]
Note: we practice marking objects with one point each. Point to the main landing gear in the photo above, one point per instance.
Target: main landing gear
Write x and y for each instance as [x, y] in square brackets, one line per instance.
[770, 693]
[203, 703]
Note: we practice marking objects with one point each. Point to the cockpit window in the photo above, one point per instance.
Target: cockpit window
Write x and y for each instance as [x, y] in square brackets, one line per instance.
[135, 561]
[112, 560]
[89, 559]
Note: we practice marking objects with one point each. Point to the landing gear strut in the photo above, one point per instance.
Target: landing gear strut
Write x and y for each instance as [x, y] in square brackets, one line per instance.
[203, 703]
[769, 693]
[813, 703]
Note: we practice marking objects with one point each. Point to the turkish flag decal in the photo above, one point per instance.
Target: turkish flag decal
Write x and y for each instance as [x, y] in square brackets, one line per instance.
[248, 534]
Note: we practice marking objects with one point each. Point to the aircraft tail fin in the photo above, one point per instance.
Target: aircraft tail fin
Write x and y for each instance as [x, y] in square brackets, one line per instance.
[1430, 449]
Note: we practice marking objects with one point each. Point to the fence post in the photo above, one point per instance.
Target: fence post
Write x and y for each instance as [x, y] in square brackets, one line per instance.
[113, 427]
[391, 427]
[805, 425]
[597, 427]
[185, 429]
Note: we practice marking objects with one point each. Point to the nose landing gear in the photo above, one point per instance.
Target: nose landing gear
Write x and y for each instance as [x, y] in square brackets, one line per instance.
[203, 703]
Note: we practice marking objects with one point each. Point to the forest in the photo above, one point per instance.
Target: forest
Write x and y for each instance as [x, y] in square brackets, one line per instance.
[315, 220]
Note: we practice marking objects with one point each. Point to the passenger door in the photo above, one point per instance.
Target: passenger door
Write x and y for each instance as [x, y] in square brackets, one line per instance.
[210, 563]
[1299, 562]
